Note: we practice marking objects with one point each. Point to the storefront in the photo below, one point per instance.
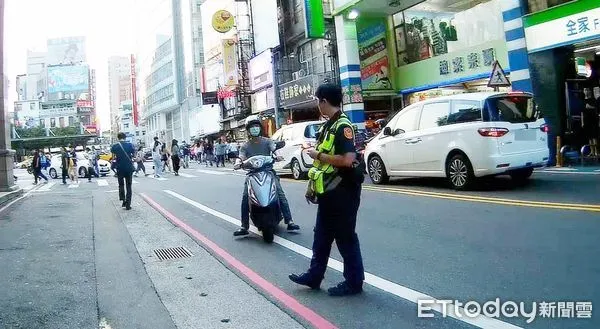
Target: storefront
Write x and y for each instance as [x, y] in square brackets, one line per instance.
[418, 50]
[563, 43]
[445, 49]
[296, 98]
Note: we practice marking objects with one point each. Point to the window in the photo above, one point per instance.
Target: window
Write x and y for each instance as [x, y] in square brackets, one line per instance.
[32, 106]
[71, 121]
[434, 28]
[434, 115]
[464, 111]
[43, 123]
[126, 126]
[52, 122]
[513, 109]
[311, 131]
[61, 122]
[406, 119]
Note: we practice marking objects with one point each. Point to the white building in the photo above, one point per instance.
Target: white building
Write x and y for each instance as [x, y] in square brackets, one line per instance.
[135, 134]
[119, 87]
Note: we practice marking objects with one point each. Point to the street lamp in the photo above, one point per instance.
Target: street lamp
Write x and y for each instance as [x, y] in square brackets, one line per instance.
[353, 14]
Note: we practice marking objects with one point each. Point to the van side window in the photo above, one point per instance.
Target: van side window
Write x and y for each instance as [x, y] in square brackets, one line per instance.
[287, 135]
[464, 111]
[434, 115]
[406, 119]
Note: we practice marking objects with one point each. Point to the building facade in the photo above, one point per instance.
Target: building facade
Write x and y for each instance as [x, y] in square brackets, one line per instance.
[119, 88]
[165, 67]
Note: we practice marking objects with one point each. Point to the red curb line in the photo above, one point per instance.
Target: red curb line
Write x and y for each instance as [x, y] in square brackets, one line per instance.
[306, 313]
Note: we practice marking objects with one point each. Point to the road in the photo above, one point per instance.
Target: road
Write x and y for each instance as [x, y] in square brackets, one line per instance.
[533, 243]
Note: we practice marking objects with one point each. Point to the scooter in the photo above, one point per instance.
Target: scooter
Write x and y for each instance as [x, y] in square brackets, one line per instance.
[265, 211]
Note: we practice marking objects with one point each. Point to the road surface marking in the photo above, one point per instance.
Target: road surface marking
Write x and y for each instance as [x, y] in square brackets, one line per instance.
[568, 172]
[104, 324]
[28, 187]
[102, 182]
[73, 185]
[111, 191]
[290, 302]
[46, 187]
[211, 172]
[375, 281]
[133, 181]
[474, 198]
[157, 178]
[187, 175]
[558, 168]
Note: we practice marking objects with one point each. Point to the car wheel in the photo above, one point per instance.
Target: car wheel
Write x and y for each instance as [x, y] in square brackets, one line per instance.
[377, 171]
[521, 175]
[53, 173]
[459, 172]
[297, 172]
[82, 172]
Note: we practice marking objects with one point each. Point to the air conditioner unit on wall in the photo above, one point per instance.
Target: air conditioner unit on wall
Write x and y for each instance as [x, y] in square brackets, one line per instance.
[298, 74]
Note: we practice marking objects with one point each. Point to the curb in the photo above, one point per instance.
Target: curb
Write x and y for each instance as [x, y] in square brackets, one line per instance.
[6, 197]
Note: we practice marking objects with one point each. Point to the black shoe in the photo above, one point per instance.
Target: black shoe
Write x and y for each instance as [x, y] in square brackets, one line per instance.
[292, 227]
[124, 204]
[128, 207]
[241, 232]
[344, 289]
[305, 280]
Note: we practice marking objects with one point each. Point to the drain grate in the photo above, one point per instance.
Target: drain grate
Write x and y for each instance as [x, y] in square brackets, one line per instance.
[172, 253]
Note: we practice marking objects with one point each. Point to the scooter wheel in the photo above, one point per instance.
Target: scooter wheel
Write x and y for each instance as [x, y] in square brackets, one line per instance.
[268, 235]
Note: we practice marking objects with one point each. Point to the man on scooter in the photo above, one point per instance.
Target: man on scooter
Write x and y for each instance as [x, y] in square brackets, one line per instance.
[258, 145]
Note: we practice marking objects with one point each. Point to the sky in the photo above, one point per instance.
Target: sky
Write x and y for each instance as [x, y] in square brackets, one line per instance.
[108, 26]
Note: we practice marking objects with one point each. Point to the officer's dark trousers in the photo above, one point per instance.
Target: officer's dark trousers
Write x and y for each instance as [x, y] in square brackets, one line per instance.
[124, 179]
[336, 220]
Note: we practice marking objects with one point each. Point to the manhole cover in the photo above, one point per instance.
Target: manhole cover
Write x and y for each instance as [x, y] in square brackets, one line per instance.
[172, 253]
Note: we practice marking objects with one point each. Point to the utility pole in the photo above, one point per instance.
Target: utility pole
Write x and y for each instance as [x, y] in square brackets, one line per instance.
[275, 88]
[6, 154]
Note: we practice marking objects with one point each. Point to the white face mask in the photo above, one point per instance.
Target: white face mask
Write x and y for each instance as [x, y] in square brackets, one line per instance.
[254, 131]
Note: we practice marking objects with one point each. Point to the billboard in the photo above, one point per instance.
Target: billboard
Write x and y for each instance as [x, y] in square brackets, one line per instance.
[263, 28]
[260, 71]
[66, 51]
[230, 62]
[68, 78]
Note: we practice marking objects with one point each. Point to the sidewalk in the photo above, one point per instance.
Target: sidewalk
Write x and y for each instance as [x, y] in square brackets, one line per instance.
[71, 260]
[590, 170]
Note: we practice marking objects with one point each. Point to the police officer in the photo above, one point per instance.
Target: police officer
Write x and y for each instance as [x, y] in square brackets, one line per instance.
[335, 185]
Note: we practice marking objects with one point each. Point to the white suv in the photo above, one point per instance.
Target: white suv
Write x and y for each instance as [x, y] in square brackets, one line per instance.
[461, 137]
[297, 137]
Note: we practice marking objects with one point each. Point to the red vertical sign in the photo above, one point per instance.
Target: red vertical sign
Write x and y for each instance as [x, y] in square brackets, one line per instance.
[133, 92]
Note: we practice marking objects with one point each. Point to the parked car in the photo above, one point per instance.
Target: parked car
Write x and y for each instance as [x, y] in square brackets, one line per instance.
[103, 167]
[55, 170]
[461, 137]
[106, 156]
[298, 137]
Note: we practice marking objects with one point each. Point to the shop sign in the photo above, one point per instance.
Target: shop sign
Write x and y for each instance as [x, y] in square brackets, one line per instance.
[297, 91]
[222, 21]
[373, 54]
[209, 98]
[82, 103]
[577, 21]
[229, 62]
[58, 112]
[314, 22]
[469, 64]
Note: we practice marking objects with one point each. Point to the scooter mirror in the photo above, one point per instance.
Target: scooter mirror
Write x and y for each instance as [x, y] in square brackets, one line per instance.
[279, 145]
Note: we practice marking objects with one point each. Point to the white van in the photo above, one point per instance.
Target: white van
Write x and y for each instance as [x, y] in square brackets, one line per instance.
[461, 137]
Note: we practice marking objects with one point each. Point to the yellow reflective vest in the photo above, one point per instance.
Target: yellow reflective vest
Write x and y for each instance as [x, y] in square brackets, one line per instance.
[322, 176]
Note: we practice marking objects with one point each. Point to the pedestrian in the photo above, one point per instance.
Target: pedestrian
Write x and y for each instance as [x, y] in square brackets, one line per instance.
[64, 165]
[91, 169]
[124, 151]
[73, 175]
[233, 152]
[139, 158]
[208, 152]
[335, 185]
[37, 167]
[175, 157]
[156, 157]
[165, 158]
[186, 152]
[220, 150]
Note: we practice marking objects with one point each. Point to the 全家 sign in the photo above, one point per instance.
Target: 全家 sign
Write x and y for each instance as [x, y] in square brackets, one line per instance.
[577, 22]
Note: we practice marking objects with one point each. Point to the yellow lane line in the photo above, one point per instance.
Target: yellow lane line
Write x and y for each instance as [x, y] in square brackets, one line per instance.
[480, 199]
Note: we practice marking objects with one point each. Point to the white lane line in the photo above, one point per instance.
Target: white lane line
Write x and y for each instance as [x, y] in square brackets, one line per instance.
[210, 172]
[187, 175]
[73, 185]
[102, 182]
[112, 191]
[133, 181]
[46, 187]
[569, 172]
[378, 282]
[159, 178]
[28, 187]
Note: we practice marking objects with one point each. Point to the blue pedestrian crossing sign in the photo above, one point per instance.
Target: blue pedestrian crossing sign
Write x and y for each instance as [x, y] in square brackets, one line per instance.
[498, 77]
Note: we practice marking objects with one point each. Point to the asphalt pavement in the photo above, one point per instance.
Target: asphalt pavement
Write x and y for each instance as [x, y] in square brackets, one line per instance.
[531, 243]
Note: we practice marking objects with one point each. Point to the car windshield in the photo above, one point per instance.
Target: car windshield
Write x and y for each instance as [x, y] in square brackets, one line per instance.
[311, 130]
[510, 108]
